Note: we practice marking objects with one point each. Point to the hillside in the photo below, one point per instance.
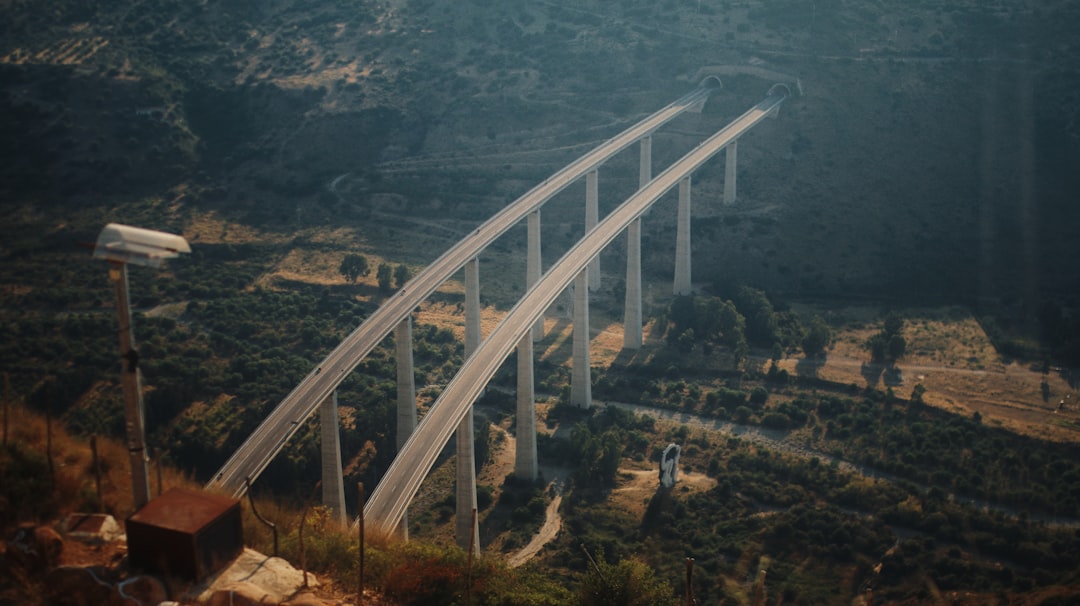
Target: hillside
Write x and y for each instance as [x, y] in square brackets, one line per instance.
[927, 167]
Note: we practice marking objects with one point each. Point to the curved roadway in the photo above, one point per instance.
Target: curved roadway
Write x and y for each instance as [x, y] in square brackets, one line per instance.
[271, 435]
[398, 486]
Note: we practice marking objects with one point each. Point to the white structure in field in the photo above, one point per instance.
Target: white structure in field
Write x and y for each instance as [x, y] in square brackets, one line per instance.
[669, 465]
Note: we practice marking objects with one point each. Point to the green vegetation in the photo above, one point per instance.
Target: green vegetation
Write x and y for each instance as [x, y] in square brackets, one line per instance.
[354, 266]
[888, 345]
[305, 130]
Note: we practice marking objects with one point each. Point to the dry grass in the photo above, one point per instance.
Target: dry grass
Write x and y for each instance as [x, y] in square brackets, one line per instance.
[951, 356]
[74, 480]
[637, 486]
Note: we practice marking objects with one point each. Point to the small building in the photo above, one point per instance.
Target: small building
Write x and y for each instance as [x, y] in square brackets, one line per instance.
[185, 533]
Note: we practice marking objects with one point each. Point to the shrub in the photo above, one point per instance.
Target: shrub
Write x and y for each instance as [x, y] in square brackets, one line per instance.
[628, 583]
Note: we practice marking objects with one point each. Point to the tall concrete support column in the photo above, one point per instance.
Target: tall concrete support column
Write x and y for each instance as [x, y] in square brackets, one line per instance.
[682, 240]
[406, 396]
[472, 306]
[731, 154]
[466, 486]
[333, 486]
[632, 313]
[525, 463]
[465, 532]
[592, 216]
[645, 165]
[580, 377]
[533, 267]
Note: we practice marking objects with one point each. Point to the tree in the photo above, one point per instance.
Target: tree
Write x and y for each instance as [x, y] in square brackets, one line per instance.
[401, 275]
[384, 275]
[762, 326]
[817, 338]
[353, 266]
[628, 583]
[888, 345]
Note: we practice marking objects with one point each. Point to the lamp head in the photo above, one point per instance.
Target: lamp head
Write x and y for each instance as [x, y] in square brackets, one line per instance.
[135, 245]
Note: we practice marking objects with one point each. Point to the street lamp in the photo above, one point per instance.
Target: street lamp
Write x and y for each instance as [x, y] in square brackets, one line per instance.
[121, 245]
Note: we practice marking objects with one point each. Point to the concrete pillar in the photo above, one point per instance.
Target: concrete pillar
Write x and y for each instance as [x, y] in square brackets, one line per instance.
[333, 486]
[682, 240]
[592, 216]
[525, 463]
[472, 307]
[632, 314]
[731, 153]
[645, 165]
[466, 485]
[533, 266]
[580, 377]
[466, 458]
[406, 396]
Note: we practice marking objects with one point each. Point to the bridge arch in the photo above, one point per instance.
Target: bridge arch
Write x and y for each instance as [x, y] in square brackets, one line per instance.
[780, 89]
[712, 83]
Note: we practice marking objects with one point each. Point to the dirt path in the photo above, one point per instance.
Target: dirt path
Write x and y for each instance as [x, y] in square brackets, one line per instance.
[781, 441]
[546, 534]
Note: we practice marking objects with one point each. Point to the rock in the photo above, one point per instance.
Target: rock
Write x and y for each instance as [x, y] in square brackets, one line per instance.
[92, 527]
[76, 586]
[142, 590]
[305, 598]
[277, 578]
[35, 549]
[242, 594]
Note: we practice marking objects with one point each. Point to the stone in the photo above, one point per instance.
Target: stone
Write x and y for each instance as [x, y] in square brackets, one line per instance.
[78, 586]
[242, 594]
[141, 590]
[277, 578]
[92, 528]
[35, 549]
[305, 598]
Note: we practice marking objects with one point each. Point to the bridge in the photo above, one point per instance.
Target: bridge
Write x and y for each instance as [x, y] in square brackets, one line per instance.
[419, 447]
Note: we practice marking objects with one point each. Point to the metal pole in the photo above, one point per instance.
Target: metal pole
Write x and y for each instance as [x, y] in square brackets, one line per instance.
[7, 399]
[97, 473]
[360, 587]
[133, 404]
[157, 468]
[255, 512]
[690, 582]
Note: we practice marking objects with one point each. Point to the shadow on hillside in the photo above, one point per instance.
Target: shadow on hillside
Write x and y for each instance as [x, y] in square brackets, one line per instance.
[810, 367]
[871, 373]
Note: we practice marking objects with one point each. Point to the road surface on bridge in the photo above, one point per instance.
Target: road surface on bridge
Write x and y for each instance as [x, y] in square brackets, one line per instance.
[270, 436]
[388, 503]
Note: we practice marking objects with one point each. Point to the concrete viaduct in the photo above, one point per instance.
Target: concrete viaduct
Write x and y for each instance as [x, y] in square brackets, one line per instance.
[452, 412]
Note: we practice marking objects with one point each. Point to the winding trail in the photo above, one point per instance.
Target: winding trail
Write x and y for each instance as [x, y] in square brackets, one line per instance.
[782, 441]
[546, 534]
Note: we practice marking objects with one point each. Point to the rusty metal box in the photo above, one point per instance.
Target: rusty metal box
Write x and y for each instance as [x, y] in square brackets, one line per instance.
[185, 533]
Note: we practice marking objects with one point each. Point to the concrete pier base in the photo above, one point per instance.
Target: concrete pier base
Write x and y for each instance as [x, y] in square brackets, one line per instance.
[333, 487]
[581, 377]
[466, 533]
[645, 162]
[682, 241]
[592, 216]
[466, 486]
[406, 396]
[533, 266]
[632, 313]
[731, 154]
[525, 462]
